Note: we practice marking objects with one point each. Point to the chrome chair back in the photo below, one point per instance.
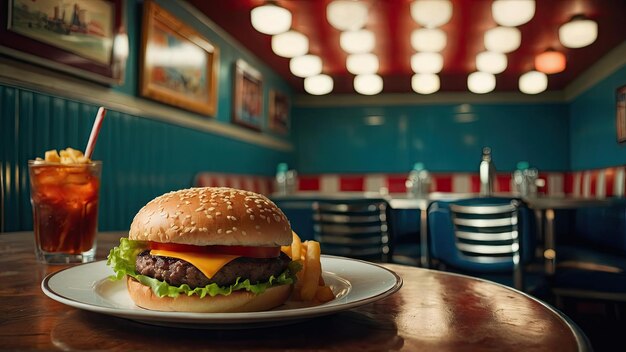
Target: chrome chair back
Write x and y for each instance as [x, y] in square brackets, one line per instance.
[491, 237]
[489, 234]
[353, 229]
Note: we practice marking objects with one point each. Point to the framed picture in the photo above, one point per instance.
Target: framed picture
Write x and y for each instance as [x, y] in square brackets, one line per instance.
[620, 99]
[179, 66]
[248, 96]
[75, 37]
[279, 112]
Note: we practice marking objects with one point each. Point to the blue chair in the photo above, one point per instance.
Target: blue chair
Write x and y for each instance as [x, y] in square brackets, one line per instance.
[492, 238]
[405, 243]
[355, 229]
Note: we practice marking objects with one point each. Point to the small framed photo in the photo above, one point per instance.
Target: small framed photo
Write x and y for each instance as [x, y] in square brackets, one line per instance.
[248, 96]
[279, 112]
[75, 37]
[179, 66]
[620, 99]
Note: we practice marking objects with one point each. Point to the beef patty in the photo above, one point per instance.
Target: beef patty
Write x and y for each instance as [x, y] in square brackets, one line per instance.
[176, 271]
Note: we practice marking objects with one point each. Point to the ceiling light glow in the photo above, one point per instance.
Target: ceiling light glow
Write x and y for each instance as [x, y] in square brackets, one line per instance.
[533, 82]
[512, 13]
[318, 85]
[270, 19]
[305, 66]
[346, 15]
[491, 62]
[361, 64]
[427, 62]
[503, 39]
[357, 42]
[430, 40]
[431, 13]
[481, 82]
[425, 83]
[368, 84]
[290, 44]
[550, 61]
[578, 32]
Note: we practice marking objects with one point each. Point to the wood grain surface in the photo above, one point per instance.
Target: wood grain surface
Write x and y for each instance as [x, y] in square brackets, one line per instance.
[433, 311]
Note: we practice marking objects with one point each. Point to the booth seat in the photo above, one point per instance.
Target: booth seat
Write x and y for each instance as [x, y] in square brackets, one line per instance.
[591, 261]
[255, 183]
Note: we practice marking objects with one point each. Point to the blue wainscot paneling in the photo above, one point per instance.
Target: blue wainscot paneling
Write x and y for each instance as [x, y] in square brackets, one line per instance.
[142, 158]
[593, 128]
[443, 137]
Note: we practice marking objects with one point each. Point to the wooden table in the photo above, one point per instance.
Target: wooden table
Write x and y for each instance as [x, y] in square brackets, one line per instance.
[433, 311]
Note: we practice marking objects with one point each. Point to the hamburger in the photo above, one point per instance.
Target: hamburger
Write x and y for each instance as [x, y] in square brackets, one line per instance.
[211, 249]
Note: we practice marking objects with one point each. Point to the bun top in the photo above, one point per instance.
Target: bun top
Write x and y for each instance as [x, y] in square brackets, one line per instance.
[212, 216]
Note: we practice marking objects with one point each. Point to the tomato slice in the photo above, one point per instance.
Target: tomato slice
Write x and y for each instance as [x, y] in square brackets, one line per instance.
[244, 251]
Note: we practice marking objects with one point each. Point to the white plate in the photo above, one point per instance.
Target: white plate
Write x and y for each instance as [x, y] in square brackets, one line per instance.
[87, 286]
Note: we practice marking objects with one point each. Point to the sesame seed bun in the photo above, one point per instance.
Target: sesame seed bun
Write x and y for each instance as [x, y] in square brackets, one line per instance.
[212, 216]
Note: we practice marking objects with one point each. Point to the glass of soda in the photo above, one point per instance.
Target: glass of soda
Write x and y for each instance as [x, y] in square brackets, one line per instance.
[65, 210]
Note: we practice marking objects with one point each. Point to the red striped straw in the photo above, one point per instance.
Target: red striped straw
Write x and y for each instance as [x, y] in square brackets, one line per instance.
[95, 130]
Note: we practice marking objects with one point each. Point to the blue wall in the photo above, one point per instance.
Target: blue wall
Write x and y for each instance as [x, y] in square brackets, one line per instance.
[229, 54]
[592, 126]
[142, 157]
[443, 137]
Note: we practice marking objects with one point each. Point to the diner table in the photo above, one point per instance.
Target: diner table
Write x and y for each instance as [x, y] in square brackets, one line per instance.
[433, 310]
[545, 207]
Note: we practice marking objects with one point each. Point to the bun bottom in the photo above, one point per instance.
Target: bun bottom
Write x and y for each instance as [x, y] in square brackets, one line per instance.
[238, 301]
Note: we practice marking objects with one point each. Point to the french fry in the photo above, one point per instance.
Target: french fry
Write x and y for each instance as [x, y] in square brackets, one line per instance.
[296, 247]
[324, 294]
[293, 250]
[310, 285]
[312, 272]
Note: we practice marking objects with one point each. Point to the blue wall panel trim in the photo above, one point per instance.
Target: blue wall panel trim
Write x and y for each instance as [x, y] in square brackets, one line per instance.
[443, 137]
[593, 127]
[142, 158]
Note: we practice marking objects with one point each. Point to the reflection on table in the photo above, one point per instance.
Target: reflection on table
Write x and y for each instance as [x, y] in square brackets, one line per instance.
[432, 311]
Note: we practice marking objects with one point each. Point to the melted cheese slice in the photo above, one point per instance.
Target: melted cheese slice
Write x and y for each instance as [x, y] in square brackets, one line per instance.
[208, 264]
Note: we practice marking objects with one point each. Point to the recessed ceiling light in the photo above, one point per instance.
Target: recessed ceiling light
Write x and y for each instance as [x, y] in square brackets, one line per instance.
[550, 61]
[578, 32]
[425, 83]
[346, 15]
[361, 64]
[430, 40]
[481, 82]
[431, 13]
[491, 62]
[318, 85]
[270, 19]
[305, 65]
[503, 39]
[512, 13]
[368, 84]
[357, 42]
[290, 44]
[533, 82]
[426, 62]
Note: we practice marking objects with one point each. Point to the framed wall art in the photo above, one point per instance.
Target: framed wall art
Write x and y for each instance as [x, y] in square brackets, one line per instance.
[248, 96]
[279, 112]
[75, 37]
[179, 66]
[620, 99]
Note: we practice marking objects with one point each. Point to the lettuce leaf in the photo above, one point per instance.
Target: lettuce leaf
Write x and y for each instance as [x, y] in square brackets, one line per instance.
[122, 260]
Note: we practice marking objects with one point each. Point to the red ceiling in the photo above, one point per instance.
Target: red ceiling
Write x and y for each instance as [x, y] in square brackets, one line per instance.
[392, 24]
